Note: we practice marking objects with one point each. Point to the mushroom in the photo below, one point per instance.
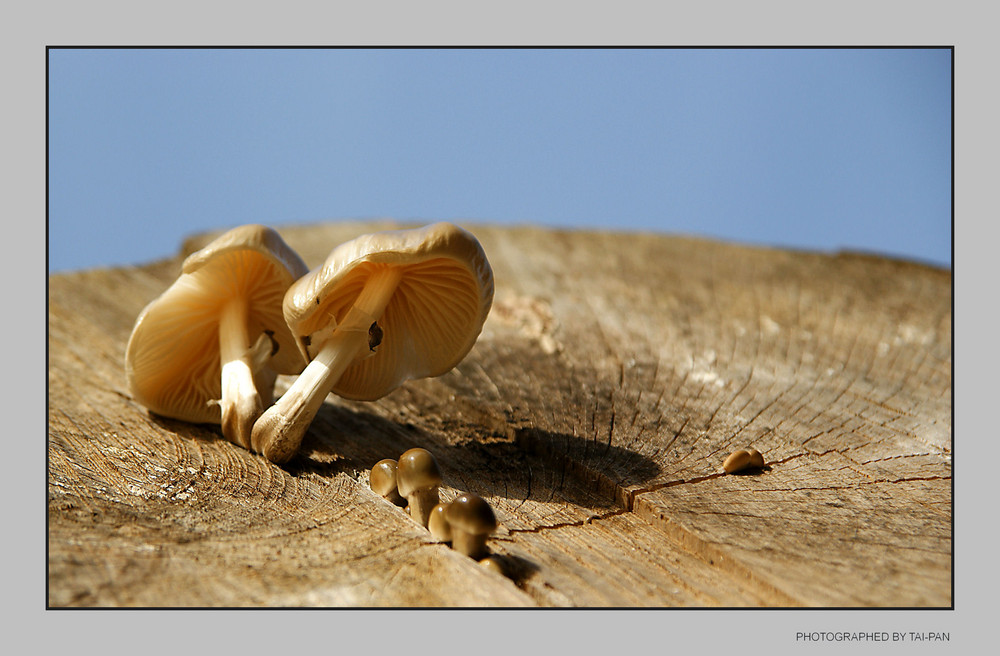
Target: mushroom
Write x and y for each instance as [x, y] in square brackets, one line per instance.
[437, 523]
[383, 309]
[494, 564]
[383, 481]
[472, 521]
[418, 478]
[209, 348]
[736, 461]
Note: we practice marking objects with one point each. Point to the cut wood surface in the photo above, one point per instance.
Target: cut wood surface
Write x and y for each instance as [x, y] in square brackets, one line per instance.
[613, 376]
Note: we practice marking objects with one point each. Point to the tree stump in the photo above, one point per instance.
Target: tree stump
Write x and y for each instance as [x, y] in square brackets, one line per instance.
[613, 376]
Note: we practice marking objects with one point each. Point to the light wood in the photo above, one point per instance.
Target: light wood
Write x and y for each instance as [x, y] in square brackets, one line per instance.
[614, 375]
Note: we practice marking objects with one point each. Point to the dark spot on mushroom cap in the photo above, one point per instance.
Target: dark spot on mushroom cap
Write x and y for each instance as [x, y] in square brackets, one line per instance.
[472, 514]
[374, 335]
[417, 469]
[274, 343]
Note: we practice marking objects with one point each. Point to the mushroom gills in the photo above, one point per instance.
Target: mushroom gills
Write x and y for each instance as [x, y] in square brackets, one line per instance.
[383, 308]
[279, 430]
[207, 349]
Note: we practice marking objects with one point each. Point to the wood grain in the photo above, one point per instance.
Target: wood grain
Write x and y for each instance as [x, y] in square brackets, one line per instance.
[612, 378]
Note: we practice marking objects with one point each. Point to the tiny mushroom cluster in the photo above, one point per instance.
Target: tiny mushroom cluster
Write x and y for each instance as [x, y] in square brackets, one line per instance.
[743, 459]
[383, 309]
[466, 522]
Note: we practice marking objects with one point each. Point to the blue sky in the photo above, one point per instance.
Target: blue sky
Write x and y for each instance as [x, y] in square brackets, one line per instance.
[817, 149]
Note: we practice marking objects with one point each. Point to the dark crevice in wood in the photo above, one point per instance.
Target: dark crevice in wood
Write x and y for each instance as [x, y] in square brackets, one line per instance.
[550, 527]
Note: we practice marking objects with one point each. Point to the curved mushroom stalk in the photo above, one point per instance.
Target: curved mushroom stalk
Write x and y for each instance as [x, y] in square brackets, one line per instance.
[384, 308]
[279, 431]
[244, 374]
[209, 348]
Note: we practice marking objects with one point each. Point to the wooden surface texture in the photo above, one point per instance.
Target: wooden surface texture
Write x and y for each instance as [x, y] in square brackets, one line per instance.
[613, 376]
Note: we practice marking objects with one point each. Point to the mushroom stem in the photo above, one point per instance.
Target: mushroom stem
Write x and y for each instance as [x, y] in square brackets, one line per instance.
[279, 431]
[241, 403]
[470, 544]
[422, 502]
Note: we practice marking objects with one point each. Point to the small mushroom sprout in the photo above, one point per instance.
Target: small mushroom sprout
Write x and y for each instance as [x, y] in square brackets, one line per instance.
[418, 478]
[208, 350]
[383, 481]
[472, 521]
[494, 564]
[742, 459]
[437, 523]
[383, 309]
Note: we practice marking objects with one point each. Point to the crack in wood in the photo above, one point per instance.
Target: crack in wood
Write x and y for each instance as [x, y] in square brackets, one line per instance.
[575, 524]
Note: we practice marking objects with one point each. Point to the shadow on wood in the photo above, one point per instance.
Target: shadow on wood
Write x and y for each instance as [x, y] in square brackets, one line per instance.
[614, 375]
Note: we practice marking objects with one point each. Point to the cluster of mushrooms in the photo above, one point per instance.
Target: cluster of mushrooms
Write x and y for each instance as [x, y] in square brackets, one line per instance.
[383, 308]
[412, 483]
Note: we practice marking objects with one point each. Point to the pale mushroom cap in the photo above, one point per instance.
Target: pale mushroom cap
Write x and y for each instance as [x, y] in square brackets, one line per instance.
[417, 469]
[431, 322]
[172, 359]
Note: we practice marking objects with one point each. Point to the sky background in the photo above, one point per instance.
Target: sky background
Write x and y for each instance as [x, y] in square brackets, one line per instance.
[818, 149]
